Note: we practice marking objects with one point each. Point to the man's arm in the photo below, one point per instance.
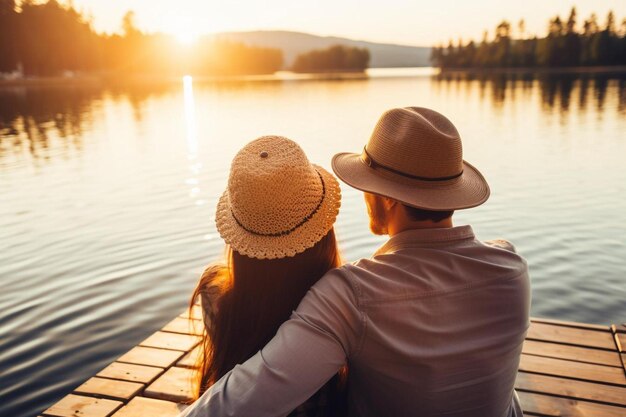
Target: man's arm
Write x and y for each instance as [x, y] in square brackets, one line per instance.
[305, 353]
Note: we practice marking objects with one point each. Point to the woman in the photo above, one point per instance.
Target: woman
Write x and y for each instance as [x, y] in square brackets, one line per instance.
[276, 218]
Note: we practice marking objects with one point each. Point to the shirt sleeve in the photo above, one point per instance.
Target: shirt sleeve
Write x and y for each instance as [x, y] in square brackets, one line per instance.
[307, 351]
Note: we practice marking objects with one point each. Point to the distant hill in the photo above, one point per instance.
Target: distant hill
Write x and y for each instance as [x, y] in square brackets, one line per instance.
[295, 43]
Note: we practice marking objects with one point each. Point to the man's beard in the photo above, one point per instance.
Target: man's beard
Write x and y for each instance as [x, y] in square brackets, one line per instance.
[378, 218]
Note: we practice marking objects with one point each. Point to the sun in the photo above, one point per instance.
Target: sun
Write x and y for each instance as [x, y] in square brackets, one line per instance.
[186, 38]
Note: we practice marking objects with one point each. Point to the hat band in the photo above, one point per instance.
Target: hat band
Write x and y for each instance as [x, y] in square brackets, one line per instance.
[286, 232]
[370, 162]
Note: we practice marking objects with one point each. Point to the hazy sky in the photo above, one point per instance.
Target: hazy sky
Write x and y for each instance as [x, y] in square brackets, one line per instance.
[415, 22]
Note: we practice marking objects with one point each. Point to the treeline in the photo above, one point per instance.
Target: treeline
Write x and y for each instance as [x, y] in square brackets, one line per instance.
[566, 45]
[47, 39]
[335, 58]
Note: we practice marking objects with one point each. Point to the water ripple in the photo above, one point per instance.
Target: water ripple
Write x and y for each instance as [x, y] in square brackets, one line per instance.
[103, 234]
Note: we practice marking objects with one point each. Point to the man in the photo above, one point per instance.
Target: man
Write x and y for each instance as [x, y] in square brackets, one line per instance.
[431, 325]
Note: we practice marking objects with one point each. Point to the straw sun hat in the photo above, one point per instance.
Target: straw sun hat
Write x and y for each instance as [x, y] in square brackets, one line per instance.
[277, 204]
[415, 156]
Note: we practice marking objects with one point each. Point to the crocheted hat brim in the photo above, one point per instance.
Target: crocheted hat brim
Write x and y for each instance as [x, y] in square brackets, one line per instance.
[288, 245]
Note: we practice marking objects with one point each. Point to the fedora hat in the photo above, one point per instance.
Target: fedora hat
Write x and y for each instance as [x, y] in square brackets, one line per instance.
[414, 156]
[277, 204]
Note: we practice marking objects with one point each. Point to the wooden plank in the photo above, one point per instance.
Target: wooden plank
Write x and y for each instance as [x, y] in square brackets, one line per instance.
[571, 388]
[174, 341]
[570, 324]
[148, 407]
[79, 406]
[546, 405]
[141, 355]
[109, 388]
[195, 314]
[191, 359]
[570, 369]
[574, 353]
[572, 336]
[184, 326]
[173, 385]
[130, 372]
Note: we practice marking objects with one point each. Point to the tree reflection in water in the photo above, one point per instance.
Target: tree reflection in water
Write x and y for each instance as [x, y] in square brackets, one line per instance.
[32, 118]
[556, 89]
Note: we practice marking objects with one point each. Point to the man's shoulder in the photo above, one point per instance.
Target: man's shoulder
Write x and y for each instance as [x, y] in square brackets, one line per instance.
[340, 281]
[351, 277]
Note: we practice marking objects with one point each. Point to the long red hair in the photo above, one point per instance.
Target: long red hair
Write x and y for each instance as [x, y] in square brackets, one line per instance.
[255, 297]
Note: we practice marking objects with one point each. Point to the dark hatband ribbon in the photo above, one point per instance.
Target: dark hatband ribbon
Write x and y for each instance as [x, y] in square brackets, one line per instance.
[286, 232]
[369, 161]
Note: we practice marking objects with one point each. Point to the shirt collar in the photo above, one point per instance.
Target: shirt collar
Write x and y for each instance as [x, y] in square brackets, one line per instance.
[425, 238]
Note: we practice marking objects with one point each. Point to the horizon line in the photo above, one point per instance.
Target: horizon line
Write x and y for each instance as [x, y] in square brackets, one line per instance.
[206, 34]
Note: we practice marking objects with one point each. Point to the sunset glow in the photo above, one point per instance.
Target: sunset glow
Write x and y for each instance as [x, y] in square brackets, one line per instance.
[412, 22]
[186, 38]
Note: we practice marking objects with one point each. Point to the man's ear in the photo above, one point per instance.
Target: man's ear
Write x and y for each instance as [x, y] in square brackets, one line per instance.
[389, 203]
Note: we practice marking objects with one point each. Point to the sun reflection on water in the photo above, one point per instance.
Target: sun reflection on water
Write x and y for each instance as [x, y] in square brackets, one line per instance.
[190, 117]
[192, 139]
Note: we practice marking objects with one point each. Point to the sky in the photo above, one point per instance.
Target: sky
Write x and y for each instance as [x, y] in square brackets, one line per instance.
[411, 22]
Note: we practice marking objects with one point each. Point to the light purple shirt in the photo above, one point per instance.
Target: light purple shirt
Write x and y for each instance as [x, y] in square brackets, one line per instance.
[431, 325]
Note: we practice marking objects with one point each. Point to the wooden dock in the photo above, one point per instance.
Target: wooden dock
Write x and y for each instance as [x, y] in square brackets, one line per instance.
[566, 369]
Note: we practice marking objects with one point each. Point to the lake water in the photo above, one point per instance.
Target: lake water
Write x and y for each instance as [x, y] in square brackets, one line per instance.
[107, 197]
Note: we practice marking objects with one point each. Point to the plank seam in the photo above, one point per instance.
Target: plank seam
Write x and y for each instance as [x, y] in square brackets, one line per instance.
[573, 325]
[569, 344]
[175, 350]
[136, 382]
[128, 363]
[154, 366]
[108, 397]
[618, 346]
[571, 360]
[176, 332]
[569, 397]
[613, 384]
[154, 347]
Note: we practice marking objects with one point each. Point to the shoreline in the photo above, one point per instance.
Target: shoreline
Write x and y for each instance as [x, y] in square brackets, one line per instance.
[147, 79]
[106, 79]
[617, 69]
